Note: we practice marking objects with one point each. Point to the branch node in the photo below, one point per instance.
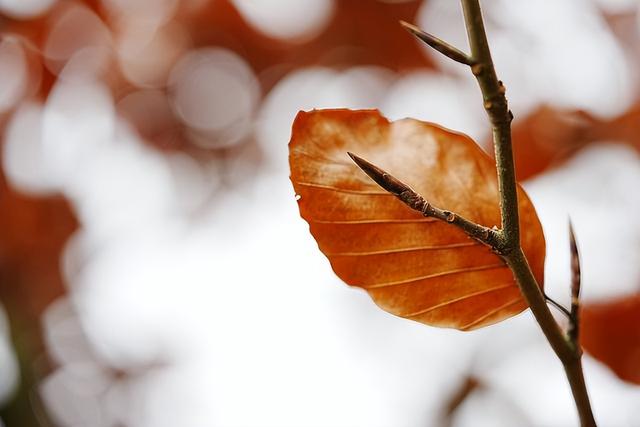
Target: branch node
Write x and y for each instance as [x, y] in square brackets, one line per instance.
[425, 208]
[501, 89]
[477, 69]
[413, 200]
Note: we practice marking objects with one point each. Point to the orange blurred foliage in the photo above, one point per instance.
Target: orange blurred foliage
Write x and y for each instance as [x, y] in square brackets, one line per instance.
[611, 334]
[549, 136]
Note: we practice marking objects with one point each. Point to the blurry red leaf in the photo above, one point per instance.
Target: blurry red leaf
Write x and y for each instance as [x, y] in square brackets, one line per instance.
[33, 234]
[364, 32]
[414, 267]
[611, 334]
[547, 137]
[622, 129]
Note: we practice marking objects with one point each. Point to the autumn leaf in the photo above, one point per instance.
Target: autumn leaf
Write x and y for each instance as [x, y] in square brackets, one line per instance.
[610, 333]
[414, 267]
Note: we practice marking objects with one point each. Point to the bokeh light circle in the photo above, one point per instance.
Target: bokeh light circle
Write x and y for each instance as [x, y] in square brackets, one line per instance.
[77, 32]
[25, 9]
[215, 91]
[287, 19]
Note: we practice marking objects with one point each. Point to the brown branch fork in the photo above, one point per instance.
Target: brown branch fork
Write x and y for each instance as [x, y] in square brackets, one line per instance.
[506, 240]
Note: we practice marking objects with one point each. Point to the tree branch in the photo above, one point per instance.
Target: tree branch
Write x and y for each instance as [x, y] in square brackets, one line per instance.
[558, 306]
[506, 241]
[495, 103]
[416, 202]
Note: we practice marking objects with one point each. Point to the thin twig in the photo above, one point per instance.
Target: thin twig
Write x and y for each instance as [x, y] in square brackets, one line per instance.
[416, 202]
[507, 240]
[573, 331]
[557, 305]
[495, 103]
[440, 45]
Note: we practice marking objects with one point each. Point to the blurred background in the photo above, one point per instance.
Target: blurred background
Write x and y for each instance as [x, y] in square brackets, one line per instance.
[154, 270]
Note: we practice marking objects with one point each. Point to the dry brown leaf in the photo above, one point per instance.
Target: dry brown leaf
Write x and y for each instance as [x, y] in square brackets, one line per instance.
[414, 267]
[611, 334]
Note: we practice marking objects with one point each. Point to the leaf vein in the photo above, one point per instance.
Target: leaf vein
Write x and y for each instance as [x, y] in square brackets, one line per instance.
[458, 299]
[439, 274]
[410, 249]
[343, 190]
[490, 313]
[374, 221]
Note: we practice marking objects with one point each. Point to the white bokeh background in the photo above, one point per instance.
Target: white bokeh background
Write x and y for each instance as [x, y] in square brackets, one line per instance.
[204, 278]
